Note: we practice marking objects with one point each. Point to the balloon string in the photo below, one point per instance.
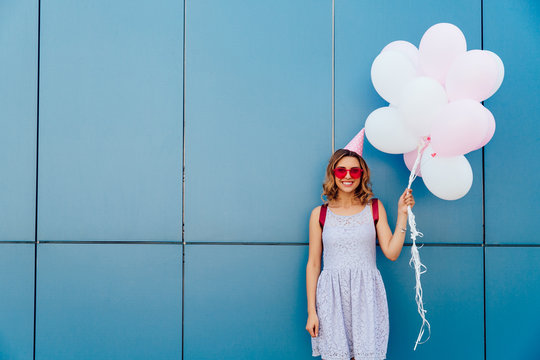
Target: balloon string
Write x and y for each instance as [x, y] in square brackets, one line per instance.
[423, 145]
[419, 268]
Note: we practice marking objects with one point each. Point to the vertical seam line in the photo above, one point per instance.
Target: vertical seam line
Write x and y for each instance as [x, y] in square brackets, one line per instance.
[37, 174]
[333, 74]
[183, 170]
[483, 197]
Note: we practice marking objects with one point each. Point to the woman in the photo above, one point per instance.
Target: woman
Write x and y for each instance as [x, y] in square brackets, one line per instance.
[347, 306]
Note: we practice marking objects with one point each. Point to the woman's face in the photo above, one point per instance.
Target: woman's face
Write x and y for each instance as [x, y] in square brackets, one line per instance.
[348, 184]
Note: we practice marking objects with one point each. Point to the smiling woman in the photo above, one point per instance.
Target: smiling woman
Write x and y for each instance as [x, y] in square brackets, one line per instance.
[347, 305]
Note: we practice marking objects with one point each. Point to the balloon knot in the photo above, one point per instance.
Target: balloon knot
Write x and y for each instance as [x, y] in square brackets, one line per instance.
[434, 154]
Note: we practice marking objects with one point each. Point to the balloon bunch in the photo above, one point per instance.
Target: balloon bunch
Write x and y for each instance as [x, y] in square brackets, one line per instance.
[434, 94]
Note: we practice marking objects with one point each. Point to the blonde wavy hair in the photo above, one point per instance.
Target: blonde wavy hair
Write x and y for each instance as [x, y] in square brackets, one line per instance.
[330, 190]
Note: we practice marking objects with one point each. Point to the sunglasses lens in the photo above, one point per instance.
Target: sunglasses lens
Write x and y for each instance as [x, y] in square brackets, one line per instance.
[355, 173]
[340, 172]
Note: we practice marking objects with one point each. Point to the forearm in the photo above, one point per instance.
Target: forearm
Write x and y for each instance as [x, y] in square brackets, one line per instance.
[312, 275]
[398, 238]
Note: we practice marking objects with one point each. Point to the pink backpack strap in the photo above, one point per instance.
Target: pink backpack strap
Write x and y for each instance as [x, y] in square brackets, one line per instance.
[322, 216]
[375, 210]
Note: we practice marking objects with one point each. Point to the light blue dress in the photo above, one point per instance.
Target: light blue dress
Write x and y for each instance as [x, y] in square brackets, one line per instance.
[351, 298]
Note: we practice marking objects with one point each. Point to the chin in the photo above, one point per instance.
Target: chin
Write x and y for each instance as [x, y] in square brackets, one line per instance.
[348, 189]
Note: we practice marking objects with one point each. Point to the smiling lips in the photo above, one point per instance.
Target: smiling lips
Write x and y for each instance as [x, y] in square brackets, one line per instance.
[347, 183]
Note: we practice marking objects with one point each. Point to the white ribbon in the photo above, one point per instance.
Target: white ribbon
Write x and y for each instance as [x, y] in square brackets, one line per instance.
[419, 268]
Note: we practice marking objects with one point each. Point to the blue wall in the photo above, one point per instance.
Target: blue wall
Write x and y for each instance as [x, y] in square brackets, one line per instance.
[160, 160]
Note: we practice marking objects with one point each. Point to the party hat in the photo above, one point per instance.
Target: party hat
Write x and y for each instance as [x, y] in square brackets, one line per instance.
[357, 143]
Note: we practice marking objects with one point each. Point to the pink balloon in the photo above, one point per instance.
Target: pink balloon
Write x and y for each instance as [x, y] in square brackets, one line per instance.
[439, 47]
[460, 127]
[409, 159]
[490, 131]
[473, 75]
[406, 48]
[500, 71]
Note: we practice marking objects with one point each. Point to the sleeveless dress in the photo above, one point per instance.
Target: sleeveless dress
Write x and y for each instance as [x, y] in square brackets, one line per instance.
[350, 299]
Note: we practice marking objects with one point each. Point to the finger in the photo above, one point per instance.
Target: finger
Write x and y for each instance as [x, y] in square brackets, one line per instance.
[311, 332]
[316, 329]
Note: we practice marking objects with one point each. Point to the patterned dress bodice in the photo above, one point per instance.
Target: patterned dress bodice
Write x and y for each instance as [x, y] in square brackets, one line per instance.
[349, 240]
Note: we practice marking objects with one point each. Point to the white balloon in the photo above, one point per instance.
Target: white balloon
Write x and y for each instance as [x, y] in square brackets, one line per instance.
[390, 71]
[407, 49]
[421, 101]
[387, 132]
[448, 178]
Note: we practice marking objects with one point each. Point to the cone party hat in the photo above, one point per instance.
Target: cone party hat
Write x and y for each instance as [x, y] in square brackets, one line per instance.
[357, 143]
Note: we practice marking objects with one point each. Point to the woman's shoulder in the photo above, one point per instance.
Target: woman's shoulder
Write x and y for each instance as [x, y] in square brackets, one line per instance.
[379, 203]
[373, 199]
[316, 210]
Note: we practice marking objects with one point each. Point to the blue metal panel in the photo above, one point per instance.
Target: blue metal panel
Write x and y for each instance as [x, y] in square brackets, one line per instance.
[363, 28]
[453, 297]
[512, 298]
[18, 74]
[110, 149]
[17, 304]
[109, 301]
[511, 30]
[258, 117]
[245, 302]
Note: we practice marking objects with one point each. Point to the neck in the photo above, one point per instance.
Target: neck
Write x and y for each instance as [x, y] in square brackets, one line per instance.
[346, 199]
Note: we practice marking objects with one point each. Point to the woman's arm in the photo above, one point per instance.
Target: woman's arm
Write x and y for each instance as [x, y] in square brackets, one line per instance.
[313, 267]
[391, 244]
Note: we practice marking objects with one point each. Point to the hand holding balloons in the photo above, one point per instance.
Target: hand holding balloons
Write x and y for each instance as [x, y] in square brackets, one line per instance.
[405, 200]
